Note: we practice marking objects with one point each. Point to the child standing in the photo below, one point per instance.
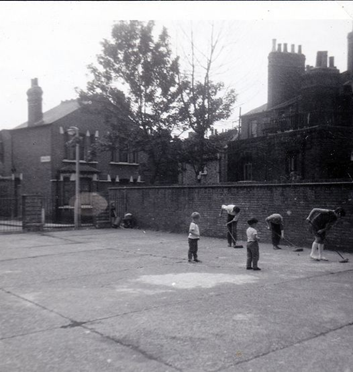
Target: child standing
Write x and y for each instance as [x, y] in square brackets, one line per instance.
[252, 245]
[194, 236]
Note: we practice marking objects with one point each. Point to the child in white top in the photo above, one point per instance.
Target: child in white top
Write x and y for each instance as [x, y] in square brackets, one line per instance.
[194, 236]
[252, 246]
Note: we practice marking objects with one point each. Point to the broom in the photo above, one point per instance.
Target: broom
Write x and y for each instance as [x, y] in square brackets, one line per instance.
[296, 248]
[344, 260]
[237, 246]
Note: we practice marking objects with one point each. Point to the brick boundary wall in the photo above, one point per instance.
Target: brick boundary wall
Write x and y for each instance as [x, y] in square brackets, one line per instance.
[169, 208]
[32, 213]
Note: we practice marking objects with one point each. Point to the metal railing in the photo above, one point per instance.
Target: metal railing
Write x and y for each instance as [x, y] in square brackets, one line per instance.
[10, 215]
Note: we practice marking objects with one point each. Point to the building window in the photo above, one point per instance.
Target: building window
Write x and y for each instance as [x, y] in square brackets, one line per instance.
[124, 156]
[114, 155]
[292, 163]
[83, 147]
[253, 129]
[68, 191]
[247, 172]
[70, 147]
[1, 152]
[91, 153]
[134, 157]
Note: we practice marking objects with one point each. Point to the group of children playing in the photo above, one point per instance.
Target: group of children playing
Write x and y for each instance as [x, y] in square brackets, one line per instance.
[252, 242]
[320, 220]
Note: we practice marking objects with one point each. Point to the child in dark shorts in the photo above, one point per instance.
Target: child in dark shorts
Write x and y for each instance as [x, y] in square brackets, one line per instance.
[194, 237]
[252, 245]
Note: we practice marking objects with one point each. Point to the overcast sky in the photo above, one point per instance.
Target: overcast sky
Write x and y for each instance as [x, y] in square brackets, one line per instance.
[55, 41]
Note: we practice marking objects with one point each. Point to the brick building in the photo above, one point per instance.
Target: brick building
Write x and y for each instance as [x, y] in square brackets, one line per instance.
[35, 157]
[305, 130]
[215, 170]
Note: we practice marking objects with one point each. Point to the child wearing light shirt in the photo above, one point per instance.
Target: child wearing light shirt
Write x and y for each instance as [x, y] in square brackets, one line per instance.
[252, 246]
[194, 236]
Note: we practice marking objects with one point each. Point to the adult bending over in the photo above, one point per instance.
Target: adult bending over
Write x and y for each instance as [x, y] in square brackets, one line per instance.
[275, 224]
[233, 213]
[322, 220]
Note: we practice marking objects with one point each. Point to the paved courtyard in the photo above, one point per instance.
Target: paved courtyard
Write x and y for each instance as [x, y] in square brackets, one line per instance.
[128, 300]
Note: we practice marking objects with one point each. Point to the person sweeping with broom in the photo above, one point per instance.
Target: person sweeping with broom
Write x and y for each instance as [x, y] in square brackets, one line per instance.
[233, 213]
[321, 220]
[275, 224]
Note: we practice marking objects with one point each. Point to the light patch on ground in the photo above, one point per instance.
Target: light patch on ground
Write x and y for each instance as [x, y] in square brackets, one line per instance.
[242, 317]
[32, 296]
[140, 291]
[196, 280]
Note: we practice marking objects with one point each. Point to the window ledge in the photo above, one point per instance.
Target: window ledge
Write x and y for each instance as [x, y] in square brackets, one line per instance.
[122, 163]
[81, 161]
[83, 206]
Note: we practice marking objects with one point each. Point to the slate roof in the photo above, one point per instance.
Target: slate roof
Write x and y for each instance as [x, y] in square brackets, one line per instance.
[257, 110]
[51, 116]
[263, 108]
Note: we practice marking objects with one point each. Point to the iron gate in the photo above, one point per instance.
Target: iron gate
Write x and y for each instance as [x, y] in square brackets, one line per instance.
[10, 214]
[56, 216]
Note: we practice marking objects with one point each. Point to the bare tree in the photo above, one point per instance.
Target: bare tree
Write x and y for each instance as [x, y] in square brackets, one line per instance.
[205, 102]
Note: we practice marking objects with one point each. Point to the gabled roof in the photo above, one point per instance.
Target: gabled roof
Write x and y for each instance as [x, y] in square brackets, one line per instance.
[56, 113]
[228, 136]
[286, 103]
[257, 110]
[263, 108]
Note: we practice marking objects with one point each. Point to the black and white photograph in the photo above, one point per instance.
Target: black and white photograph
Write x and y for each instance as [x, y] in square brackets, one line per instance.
[176, 186]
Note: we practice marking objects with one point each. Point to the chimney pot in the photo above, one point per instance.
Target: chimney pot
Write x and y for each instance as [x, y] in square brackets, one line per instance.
[321, 59]
[35, 114]
[292, 48]
[279, 47]
[299, 49]
[332, 62]
[285, 48]
[273, 45]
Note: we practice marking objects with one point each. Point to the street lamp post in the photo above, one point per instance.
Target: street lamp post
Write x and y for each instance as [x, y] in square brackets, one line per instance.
[77, 207]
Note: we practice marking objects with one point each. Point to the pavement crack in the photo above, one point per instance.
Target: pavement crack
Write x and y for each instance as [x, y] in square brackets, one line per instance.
[134, 348]
[73, 324]
[34, 303]
[287, 346]
[29, 333]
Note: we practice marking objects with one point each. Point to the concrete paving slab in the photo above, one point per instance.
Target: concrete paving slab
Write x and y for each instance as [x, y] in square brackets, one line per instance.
[213, 332]
[73, 349]
[44, 268]
[19, 317]
[136, 290]
[328, 352]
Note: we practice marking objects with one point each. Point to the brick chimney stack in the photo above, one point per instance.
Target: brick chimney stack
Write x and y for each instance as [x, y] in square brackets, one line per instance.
[285, 70]
[321, 59]
[35, 113]
[350, 53]
[332, 62]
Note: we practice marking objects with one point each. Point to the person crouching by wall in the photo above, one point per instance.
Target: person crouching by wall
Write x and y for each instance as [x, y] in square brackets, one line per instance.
[252, 246]
[129, 221]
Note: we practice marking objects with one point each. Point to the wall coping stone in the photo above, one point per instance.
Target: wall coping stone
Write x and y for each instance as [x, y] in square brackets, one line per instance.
[237, 185]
